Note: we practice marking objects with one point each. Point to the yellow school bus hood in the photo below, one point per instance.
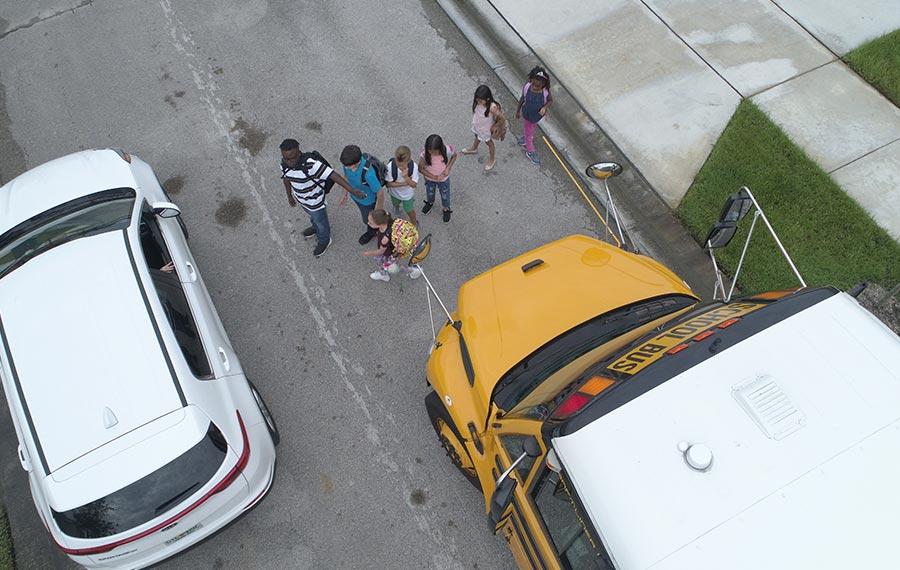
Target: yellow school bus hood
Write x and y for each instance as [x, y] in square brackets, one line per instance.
[507, 313]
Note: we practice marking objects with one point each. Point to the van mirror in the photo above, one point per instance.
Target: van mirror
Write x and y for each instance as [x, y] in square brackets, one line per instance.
[532, 447]
[501, 498]
[503, 490]
[165, 209]
[720, 235]
[423, 248]
[736, 207]
[603, 170]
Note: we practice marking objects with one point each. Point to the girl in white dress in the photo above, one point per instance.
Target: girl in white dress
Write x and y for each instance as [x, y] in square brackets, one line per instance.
[488, 123]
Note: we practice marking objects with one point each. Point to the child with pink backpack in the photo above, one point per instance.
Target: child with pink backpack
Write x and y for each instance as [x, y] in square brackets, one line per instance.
[532, 108]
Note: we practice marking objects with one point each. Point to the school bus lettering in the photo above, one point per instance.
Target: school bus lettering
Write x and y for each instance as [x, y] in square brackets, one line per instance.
[623, 366]
[648, 350]
[639, 356]
[646, 354]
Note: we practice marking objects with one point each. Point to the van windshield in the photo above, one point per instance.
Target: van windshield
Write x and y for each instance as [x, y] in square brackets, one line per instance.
[531, 372]
[86, 216]
[149, 497]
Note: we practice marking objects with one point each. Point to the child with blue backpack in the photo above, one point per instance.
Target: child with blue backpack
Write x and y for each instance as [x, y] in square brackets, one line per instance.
[532, 108]
[365, 175]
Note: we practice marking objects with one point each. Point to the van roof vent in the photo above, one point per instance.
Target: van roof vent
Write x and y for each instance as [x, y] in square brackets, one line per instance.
[769, 407]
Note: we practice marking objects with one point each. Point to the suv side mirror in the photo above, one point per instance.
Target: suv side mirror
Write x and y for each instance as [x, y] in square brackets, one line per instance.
[165, 209]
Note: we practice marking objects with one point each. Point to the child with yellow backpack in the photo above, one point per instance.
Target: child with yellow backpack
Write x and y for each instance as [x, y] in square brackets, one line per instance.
[395, 241]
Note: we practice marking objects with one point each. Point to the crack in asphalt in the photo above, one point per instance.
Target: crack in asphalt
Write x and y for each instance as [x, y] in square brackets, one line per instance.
[36, 21]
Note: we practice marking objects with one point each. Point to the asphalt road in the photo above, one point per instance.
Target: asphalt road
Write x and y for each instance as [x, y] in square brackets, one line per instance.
[205, 91]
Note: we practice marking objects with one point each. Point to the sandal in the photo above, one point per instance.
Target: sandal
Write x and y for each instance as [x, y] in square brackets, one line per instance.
[469, 151]
[490, 165]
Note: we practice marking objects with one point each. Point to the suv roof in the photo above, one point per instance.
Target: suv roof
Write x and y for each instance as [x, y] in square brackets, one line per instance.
[831, 450]
[103, 336]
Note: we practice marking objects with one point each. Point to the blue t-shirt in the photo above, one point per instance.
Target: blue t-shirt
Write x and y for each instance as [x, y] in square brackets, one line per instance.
[354, 178]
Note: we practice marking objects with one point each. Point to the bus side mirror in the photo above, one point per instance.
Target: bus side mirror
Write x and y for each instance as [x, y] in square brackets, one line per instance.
[532, 447]
[501, 498]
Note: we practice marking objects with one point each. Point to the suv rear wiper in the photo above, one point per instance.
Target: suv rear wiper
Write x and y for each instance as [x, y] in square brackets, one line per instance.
[175, 499]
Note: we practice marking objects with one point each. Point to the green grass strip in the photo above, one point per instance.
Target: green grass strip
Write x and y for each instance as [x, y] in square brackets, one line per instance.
[831, 239]
[878, 62]
[7, 560]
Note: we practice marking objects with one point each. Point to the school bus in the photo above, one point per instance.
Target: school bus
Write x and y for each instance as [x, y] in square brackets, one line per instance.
[612, 420]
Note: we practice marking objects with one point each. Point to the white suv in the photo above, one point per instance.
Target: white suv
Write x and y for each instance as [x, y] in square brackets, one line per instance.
[137, 427]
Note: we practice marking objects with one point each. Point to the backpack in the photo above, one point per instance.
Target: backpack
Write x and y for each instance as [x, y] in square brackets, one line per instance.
[404, 236]
[395, 171]
[498, 129]
[380, 169]
[304, 157]
[527, 86]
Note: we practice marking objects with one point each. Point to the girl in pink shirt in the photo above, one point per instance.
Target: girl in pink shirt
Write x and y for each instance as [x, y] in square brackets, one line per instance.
[435, 163]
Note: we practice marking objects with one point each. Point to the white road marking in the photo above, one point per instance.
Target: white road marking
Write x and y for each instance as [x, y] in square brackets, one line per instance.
[314, 295]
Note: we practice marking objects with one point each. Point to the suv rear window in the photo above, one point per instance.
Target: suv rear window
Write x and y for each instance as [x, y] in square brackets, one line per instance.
[149, 497]
[86, 216]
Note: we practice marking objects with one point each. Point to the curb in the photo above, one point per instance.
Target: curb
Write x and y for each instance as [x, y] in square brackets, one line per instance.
[651, 224]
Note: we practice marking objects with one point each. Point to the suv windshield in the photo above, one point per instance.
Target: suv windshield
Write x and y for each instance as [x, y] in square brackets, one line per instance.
[149, 497]
[89, 215]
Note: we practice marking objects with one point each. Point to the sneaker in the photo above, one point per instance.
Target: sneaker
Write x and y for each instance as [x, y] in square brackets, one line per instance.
[321, 248]
[366, 237]
[415, 273]
[520, 141]
[447, 215]
[427, 207]
[533, 157]
[309, 232]
[380, 276]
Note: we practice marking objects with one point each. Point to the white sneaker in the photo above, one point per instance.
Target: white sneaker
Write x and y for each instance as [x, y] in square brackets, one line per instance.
[380, 276]
[415, 273]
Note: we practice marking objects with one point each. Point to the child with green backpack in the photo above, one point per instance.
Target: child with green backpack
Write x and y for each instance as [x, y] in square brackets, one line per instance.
[401, 178]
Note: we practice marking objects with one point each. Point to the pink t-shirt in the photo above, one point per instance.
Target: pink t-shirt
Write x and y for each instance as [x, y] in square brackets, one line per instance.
[481, 125]
[438, 164]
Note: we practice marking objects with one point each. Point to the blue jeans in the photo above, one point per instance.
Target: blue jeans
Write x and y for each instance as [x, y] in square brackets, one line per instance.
[365, 210]
[443, 187]
[319, 219]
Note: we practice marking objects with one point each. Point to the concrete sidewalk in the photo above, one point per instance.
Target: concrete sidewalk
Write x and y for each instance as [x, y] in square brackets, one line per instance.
[662, 78]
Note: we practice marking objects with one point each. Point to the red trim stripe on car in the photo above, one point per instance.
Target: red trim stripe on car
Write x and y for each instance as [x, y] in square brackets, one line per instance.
[233, 474]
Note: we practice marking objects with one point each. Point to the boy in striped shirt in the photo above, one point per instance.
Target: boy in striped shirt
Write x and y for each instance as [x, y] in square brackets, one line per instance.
[304, 180]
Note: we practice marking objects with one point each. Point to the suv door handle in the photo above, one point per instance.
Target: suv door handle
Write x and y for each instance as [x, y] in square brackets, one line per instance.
[23, 459]
[223, 356]
[192, 273]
